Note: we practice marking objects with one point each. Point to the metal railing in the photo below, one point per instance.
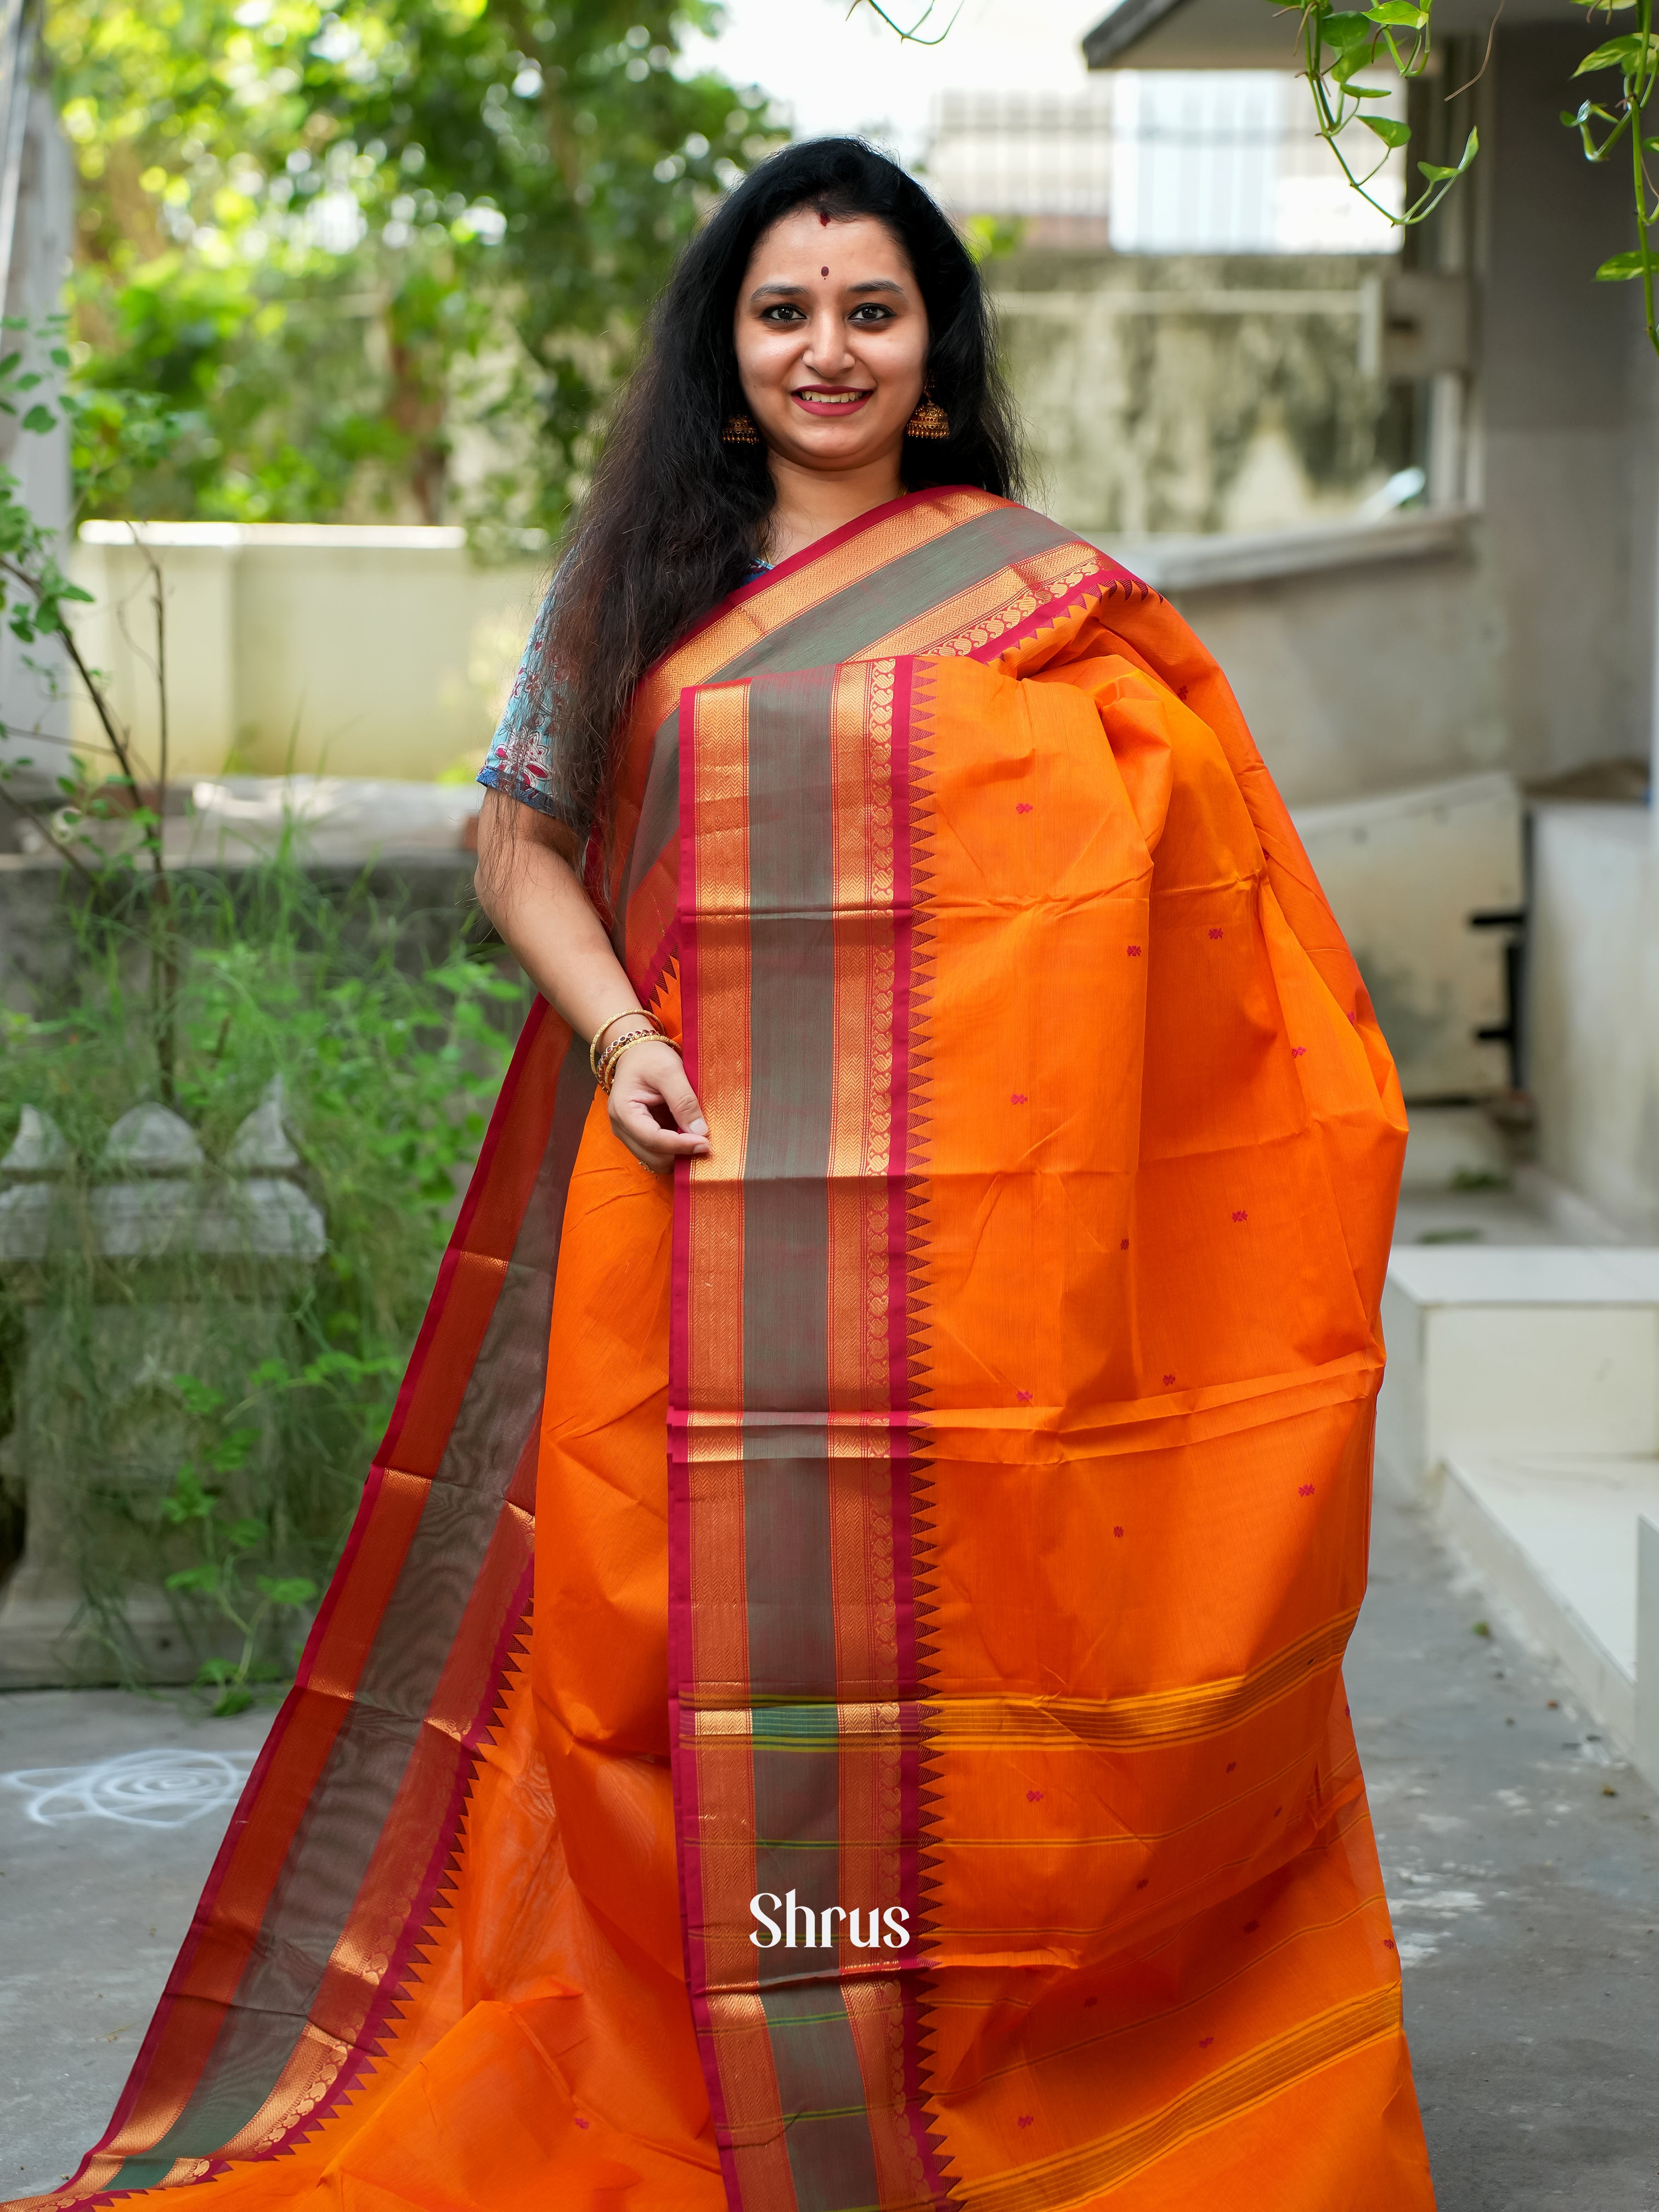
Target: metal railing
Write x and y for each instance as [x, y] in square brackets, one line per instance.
[1166, 162]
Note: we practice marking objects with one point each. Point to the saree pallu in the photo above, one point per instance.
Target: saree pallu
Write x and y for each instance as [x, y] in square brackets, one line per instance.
[945, 1504]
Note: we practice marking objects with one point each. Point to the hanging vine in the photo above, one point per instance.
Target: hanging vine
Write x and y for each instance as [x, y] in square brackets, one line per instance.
[1603, 129]
[912, 34]
[1339, 48]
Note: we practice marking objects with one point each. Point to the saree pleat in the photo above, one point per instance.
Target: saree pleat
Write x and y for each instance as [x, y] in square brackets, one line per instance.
[945, 1504]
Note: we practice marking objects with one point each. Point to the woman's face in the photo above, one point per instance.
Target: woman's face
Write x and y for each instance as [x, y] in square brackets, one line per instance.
[832, 340]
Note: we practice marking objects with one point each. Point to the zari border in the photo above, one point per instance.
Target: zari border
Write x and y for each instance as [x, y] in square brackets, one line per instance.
[757, 2031]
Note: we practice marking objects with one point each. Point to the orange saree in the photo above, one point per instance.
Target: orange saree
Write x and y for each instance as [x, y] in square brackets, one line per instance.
[923, 1775]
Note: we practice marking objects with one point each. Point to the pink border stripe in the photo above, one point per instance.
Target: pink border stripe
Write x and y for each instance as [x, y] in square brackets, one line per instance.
[682, 1756]
[1099, 584]
[909, 698]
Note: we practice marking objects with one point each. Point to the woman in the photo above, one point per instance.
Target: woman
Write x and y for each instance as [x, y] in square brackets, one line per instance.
[927, 1777]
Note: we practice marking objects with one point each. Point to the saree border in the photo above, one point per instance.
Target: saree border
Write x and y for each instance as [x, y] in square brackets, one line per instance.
[729, 1725]
[245, 1885]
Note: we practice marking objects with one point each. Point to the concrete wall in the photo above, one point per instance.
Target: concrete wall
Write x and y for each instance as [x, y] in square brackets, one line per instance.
[1594, 1010]
[1370, 664]
[1403, 874]
[360, 652]
[1567, 393]
[1189, 391]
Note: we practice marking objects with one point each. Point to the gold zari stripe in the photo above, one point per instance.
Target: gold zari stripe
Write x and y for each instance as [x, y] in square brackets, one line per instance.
[1077, 2176]
[1157, 1716]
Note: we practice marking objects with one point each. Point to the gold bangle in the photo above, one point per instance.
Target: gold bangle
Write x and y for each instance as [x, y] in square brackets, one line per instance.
[614, 1047]
[633, 1014]
[614, 1053]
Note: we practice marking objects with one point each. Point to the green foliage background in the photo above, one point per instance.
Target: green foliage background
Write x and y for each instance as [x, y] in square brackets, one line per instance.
[387, 258]
[206, 1423]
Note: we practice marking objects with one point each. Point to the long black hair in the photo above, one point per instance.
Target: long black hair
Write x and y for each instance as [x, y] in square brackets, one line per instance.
[674, 518]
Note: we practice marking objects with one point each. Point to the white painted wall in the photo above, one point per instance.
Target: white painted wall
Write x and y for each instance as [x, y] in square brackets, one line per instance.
[356, 652]
[385, 652]
[1594, 1011]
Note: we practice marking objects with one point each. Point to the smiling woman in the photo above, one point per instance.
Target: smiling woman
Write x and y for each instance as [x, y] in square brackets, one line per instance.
[831, 356]
[945, 1499]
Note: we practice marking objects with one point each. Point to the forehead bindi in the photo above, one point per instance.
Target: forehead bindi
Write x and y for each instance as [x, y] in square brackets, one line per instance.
[867, 249]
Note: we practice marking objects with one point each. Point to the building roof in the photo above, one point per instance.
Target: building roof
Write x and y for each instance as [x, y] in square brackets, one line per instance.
[1209, 34]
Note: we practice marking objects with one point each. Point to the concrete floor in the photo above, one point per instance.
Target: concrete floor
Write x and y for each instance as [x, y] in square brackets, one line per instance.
[111, 1807]
[1521, 1858]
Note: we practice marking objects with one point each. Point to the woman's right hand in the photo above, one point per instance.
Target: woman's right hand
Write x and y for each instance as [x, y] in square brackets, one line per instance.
[528, 884]
[654, 1110]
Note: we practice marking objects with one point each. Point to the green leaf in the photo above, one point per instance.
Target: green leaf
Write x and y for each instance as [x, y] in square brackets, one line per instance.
[1626, 53]
[1388, 130]
[199, 1397]
[232, 1701]
[204, 1578]
[1398, 12]
[287, 1589]
[1437, 174]
[188, 1500]
[40, 418]
[231, 1452]
[1619, 267]
[1348, 34]
[244, 1535]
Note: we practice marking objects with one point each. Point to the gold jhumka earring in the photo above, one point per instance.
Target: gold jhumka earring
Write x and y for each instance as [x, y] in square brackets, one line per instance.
[740, 431]
[930, 419]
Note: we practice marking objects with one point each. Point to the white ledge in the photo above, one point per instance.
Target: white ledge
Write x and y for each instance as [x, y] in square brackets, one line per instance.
[1193, 563]
[1171, 563]
[317, 536]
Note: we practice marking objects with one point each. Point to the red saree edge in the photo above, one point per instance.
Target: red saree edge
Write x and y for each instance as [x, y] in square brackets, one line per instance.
[683, 1779]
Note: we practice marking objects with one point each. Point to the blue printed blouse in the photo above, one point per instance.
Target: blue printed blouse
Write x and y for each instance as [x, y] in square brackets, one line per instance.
[525, 729]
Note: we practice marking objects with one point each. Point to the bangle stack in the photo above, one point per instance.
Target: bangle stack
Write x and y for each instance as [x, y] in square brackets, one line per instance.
[604, 1064]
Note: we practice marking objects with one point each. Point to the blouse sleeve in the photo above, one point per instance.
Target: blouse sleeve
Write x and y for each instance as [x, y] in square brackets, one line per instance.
[520, 762]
